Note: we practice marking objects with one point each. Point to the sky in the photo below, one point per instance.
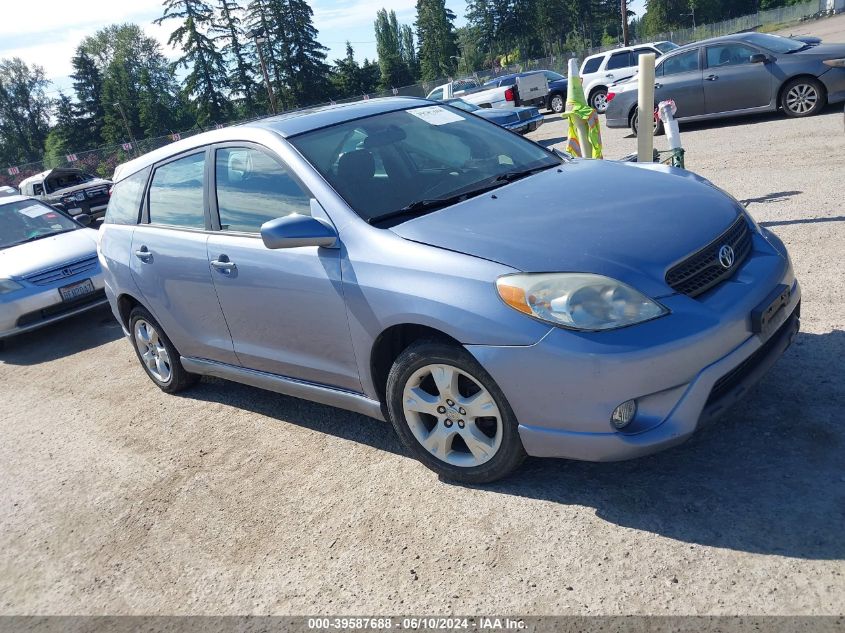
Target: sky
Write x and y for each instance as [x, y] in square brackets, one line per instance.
[48, 35]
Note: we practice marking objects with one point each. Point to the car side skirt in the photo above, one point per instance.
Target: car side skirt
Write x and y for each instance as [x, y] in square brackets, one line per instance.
[323, 394]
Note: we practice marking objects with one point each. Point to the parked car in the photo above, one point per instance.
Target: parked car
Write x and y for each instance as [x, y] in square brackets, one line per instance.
[600, 70]
[48, 266]
[555, 99]
[409, 261]
[736, 75]
[519, 120]
[527, 91]
[69, 189]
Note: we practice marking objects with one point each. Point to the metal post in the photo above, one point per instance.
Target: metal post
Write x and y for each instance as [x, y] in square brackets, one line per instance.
[645, 110]
[128, 129]
[260, 39]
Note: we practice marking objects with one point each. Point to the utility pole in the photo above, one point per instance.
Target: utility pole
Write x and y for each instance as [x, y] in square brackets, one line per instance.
[119, 107]
[624, 22]
[259, 38]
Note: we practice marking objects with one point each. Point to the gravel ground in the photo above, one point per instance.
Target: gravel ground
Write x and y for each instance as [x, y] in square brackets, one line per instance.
[119, 499]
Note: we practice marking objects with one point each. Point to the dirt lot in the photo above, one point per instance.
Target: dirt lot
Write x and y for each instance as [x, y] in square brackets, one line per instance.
[117, 498]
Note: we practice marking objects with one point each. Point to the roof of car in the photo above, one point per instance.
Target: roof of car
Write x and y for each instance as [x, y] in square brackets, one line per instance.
[712, 40]
[10, 199]
[286, 125]
[626, 48]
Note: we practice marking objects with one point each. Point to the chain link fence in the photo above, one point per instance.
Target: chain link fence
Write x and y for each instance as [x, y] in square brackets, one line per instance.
[103, 161]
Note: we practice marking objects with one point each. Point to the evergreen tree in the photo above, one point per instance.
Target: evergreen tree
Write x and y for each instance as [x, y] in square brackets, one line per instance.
[409, 50]
[235, 49]
[88, 86]
[308, 78]
[436, 36]
[394, 71]
[135, 78]
[208, 77]
[24, 111]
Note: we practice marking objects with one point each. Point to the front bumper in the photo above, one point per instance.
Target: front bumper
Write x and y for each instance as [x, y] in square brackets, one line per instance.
[34, 307]
[564, 388]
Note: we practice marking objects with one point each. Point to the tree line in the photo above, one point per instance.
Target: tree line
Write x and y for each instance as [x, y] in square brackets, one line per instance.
[124, 88]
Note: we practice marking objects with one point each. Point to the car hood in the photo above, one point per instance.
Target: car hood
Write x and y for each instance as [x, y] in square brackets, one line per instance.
[821, 51]
[625, 221]
[49, 252]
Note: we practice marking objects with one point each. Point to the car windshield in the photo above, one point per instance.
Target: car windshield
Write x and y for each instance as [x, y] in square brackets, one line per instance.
[63, 181]
[553, 76]
[399, 164]
[665, 47]
[774, 43]
[28, 220]
[462, 105]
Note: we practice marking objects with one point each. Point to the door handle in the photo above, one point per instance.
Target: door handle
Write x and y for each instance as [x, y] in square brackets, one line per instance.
[223, 264]
[658, 85]
[609, 75]
[712, 77]
[143, 254]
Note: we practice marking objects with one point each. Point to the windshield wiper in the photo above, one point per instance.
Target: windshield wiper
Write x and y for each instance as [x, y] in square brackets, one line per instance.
[421, 207]
[41, 237]
[510, 176]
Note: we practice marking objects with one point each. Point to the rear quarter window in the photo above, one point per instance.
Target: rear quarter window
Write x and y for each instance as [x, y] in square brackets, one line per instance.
[591, 65]
[125, 202]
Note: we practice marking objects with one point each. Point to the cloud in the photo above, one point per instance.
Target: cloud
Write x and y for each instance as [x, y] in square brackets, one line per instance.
[350, 13]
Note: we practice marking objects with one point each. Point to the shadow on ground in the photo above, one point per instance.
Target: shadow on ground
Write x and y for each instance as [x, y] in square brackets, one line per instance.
[65, 338]
[836, 218]
[766, 478]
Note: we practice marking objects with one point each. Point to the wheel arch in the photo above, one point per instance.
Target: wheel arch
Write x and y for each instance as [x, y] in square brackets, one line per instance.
[799, 76]
[125, 304]
[393, 341]
[595, 88]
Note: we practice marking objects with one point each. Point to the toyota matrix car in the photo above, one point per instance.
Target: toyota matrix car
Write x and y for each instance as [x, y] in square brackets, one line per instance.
[413, 262]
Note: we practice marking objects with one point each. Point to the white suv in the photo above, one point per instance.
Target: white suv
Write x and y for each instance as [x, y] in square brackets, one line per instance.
[601, 70]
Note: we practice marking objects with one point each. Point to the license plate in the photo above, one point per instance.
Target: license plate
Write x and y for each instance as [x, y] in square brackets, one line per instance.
[769, 315]
[74, 291]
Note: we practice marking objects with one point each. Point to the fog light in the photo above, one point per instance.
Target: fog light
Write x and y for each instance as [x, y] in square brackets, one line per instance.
[623, 414]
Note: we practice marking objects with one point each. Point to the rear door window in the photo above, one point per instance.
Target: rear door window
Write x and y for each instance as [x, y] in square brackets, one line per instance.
[176, 193]
[619, 60]
[591, 65]
[680, 63]
[125, 201]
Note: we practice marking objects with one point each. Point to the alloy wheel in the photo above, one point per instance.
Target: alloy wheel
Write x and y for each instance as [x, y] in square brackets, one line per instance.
[600, 101]
[557, 104]
[452, 415]
[802, 98]
[152, 351]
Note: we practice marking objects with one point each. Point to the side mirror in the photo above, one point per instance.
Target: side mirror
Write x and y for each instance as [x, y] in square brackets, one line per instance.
[83, 218]
[759, 58]
[298, 230]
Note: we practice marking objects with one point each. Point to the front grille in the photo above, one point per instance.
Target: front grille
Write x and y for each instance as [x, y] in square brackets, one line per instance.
[97, 192]
[734, 377]
[51, 276]
[61, 308]
[702, 270]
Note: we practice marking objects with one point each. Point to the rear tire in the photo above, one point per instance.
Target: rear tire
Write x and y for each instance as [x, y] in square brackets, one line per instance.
[802, 96]
[156, 353]
[451, 415]
[658, 124]
[557, 103]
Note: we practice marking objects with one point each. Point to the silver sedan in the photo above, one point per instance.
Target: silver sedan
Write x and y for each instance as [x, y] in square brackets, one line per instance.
[48, 266]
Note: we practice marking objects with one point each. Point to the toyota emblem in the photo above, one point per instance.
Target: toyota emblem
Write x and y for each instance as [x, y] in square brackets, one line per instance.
[726, 256]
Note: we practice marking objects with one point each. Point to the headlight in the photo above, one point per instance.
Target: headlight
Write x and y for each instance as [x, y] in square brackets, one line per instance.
[7, 285]
[581, 301]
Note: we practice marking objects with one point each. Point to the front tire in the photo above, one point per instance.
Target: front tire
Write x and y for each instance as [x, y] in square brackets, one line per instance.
[156, 353]
[450, 414]
[802, 97]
